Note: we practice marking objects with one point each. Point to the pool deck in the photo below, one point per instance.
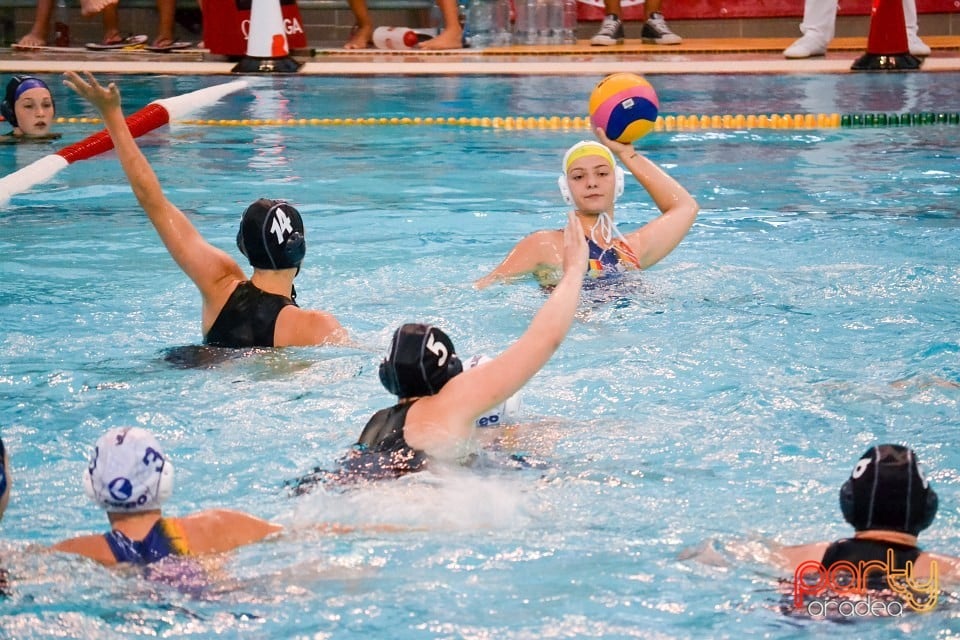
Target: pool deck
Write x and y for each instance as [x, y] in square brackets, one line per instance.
[708, 56]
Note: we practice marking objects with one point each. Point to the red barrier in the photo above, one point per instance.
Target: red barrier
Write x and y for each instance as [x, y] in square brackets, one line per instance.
[143, 121]
[226, 25]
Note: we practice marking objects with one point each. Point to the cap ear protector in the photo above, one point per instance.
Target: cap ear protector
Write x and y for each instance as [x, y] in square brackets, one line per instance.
[883, 470]
[14, 88]
[421, 361]
[277, 228]
[589, 148]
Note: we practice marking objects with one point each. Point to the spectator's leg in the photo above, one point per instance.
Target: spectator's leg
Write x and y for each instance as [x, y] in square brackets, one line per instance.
[166, 18]
[917, 46]
[37, 37]
[451, 37]
[611, 29]
[819, 22]
[655, 29]
[362, 34]
[111, 25]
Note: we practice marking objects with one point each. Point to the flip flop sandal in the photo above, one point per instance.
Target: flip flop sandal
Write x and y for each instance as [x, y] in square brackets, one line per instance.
[173, 46]
[130, 42]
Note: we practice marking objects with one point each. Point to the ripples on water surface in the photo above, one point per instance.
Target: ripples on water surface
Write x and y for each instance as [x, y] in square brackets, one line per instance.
[715, 402]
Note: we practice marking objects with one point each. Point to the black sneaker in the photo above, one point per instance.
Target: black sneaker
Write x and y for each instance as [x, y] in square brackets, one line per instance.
[610, 33]
[656, 31]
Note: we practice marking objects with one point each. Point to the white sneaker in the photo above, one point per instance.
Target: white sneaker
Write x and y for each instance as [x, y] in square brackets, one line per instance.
[805, 47]
[917, 46]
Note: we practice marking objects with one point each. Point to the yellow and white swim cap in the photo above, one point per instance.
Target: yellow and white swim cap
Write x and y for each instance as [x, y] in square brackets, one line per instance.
[586, 148]
[583, 149]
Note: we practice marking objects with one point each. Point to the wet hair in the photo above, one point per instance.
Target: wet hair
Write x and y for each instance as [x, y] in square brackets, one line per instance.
[15, 88]
[271, 235]
[421, 360]
[887, 490]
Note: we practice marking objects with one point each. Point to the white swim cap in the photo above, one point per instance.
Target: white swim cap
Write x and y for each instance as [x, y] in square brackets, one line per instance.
[589, 148]
[128, 472]
[501, 414]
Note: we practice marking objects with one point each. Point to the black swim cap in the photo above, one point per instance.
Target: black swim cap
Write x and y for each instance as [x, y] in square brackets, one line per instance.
[271, 235]
[16, 86]
[887, 490]
[421, 360]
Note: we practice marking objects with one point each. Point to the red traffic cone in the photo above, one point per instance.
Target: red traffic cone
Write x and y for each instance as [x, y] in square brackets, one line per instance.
[887, 47]
[267, 47]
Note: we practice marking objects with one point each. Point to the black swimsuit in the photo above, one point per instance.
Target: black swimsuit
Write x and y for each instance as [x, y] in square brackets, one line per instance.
[381, 451]
[248, 318]
[857, 550]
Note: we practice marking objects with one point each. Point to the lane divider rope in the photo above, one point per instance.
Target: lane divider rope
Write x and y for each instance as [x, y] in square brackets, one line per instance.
[663, 123]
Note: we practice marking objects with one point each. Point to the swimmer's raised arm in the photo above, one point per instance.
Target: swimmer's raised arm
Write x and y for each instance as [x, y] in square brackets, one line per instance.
[654, 240]
[436, 422]
[210, 268]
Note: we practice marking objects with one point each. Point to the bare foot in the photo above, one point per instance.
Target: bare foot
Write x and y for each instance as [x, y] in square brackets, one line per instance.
[162, 42]
[31, 40]
[111, 37]
[361, 37]
[448, 39]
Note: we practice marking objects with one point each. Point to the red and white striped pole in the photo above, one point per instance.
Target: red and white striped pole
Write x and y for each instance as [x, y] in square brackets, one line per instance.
[154, 115]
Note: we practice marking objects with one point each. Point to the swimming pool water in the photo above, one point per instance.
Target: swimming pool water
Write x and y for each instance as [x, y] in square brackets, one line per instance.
[712, 404]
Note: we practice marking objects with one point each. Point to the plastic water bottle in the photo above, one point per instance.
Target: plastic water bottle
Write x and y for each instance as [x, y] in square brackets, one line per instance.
[61, 26]
[480, 23]
[554, 21]
[502, 29]
[525, 27]
[569, 33]
[542, 21]
[398, 37]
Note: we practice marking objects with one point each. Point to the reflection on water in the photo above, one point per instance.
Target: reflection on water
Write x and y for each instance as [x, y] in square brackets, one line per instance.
[717, 397]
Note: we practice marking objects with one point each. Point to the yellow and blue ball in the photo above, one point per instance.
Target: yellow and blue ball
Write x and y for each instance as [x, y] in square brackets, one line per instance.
[625, 106]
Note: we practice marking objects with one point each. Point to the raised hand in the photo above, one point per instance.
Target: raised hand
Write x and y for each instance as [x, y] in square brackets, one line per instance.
[103, 98]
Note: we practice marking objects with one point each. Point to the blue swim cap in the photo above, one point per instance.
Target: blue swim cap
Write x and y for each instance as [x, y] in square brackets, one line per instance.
[15, 88]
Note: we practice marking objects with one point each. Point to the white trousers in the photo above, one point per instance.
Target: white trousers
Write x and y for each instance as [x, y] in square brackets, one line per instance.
[820, 19]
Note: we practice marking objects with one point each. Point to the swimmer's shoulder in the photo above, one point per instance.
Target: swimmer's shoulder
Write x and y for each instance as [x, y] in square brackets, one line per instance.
[790, 557]
[948, 567]
[305, 327]
[93, 546]
[545, 245]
